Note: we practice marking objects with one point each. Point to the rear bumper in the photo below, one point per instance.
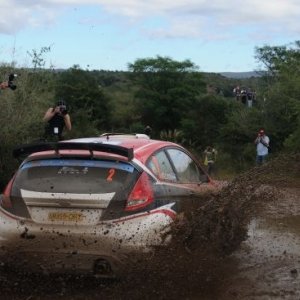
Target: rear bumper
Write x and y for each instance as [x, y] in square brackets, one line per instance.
[81, 249]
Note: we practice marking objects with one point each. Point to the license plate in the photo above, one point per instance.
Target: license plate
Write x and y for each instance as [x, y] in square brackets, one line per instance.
[65, 216]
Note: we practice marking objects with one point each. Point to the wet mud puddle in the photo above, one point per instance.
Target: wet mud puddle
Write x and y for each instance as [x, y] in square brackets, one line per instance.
[268, 262]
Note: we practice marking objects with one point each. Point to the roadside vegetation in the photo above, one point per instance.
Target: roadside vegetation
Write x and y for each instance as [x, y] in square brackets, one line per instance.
[175, 98]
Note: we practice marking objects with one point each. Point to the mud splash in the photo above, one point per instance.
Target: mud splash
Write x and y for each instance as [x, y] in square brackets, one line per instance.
[209, 251]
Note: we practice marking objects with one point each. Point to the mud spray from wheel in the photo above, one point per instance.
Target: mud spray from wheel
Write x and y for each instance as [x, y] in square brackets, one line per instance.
[194, 265]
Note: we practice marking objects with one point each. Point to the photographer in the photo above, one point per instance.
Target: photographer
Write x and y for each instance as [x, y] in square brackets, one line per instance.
[3, 85]
[262, 142]
[57, 118]
[9, 83]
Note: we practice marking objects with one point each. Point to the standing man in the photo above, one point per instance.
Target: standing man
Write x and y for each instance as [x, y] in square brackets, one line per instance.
[57, 119]
[210, 156]
[262, 147]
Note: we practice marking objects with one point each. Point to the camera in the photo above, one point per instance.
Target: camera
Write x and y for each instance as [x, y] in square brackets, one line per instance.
[63, 109]
[62, 105]
[10, 83]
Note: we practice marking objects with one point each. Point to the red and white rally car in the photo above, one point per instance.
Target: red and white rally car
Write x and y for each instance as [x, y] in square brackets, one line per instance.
[83, 205]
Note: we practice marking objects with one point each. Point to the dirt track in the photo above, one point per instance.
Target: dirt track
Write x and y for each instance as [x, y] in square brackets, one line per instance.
[242, 244]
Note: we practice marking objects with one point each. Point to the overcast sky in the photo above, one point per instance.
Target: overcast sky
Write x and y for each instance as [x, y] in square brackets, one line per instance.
[216, 35]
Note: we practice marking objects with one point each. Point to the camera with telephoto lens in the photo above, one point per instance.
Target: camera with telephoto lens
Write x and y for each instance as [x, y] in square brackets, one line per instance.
[10, 83]
[62, 105]
[63, 109]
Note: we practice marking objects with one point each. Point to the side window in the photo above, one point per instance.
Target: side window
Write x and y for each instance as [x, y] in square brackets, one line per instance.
[187, 170]
[159, 164]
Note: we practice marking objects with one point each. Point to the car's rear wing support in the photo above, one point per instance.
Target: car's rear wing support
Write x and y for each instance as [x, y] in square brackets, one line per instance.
[25, 150]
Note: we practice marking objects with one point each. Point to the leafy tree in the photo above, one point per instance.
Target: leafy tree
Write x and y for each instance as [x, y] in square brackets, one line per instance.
[166, 89]
[237, 135]
[205, 117]
[123, 107]
[88, 104]
[282, 93]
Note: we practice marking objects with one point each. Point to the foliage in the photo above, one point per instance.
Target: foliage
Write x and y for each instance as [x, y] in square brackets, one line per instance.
[175, 136]
[124, 113]
[89, 107]
[21, 114]
[166, 88]
[180, 103]
[282, 94]
[204, 119]
[238, 134]
[37, 57]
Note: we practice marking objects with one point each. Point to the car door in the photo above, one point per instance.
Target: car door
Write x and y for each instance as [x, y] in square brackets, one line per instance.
[188, 172]
[179, 172]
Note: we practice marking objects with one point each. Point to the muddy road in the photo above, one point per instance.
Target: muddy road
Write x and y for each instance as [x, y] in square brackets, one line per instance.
[244, 243]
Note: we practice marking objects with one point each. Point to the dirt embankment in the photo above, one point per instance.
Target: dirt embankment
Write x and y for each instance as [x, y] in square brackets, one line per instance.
[195, 265]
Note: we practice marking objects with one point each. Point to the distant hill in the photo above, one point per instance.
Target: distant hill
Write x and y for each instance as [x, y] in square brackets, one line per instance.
[241, 75]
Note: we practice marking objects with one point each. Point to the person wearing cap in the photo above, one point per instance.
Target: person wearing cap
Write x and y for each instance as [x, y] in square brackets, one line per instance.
[262, 142]
[57, 119]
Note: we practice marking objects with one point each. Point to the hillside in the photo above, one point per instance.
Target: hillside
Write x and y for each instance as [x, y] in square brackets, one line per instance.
[241, 75]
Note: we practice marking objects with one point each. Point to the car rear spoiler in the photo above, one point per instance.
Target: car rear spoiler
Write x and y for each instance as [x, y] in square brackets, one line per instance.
[25, 150]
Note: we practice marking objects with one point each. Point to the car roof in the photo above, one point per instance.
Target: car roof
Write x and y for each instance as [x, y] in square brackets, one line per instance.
[141, 144]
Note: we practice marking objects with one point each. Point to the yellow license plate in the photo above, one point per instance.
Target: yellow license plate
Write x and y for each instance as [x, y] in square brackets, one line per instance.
[65, 216]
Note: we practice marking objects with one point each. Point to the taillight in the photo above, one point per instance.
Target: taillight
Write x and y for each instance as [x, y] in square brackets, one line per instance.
[141, 195]
[5, 200]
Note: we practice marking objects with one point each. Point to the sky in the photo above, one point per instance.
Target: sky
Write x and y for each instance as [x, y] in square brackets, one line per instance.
[216, 35]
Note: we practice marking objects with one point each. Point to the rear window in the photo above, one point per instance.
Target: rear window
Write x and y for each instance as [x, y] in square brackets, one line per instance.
[75, 176]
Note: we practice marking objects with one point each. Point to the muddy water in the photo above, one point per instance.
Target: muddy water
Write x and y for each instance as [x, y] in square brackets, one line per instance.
[268, 262]
[266, 266]
[242, 244]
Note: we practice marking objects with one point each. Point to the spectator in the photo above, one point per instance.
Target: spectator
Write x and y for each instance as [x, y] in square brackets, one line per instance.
[249, 98]
[148, 130]
[210, 156]
[262, 142]
[3, 85]
[9, 83]
[57, 118]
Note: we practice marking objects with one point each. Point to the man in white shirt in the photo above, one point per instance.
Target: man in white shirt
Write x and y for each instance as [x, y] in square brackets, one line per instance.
[262, 147]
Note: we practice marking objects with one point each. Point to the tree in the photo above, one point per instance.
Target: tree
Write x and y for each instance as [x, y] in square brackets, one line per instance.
[37, 57]
[204, 119]
[282, 94]
[166, 89]
[89, 106]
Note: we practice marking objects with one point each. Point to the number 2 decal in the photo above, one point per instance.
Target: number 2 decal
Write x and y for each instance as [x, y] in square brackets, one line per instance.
[111, 174]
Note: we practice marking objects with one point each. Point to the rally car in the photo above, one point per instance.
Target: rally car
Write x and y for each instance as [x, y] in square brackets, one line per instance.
[84, 205]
